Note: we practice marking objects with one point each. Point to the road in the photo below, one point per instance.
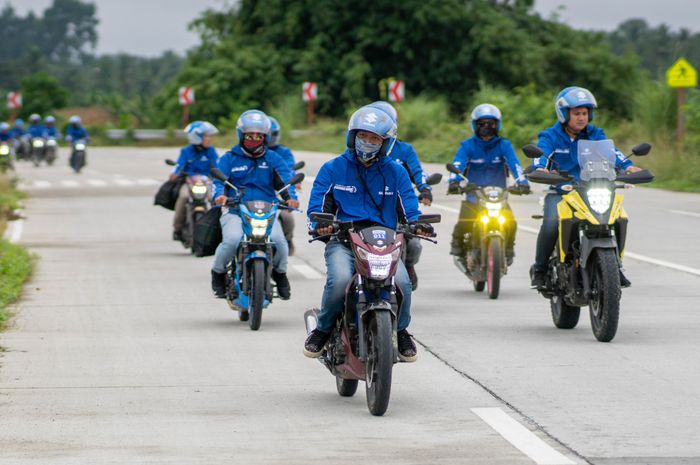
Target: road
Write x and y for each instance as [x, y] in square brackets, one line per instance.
[118, 353]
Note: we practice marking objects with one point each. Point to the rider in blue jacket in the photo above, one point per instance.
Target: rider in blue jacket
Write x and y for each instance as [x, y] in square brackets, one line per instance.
[484, 159]
[285, 216]
[252, 166]
[365, 186]
[35, 128]
[5, 132]
[574, 108]
[198, 158]
[75, 130]
[405, 155]
[50, 129]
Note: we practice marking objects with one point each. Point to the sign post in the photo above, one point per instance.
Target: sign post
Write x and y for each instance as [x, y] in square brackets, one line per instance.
[14, 103]
[309, 94]
[186, 98]
[396, 93]
[681, 75]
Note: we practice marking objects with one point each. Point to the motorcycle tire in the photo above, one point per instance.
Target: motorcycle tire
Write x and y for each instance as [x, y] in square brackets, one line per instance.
[479, 285]
[494, 262]
[604, 303]
[256, 297]
[380, 362]
[564, 316]
[346, 387]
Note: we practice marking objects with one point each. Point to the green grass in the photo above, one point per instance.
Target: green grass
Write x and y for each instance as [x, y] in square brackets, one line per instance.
[15, 268]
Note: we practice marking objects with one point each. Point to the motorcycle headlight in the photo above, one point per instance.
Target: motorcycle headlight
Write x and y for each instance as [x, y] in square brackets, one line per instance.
[494, 209]
[79, 146]
[259, 227]
[51, 142]
[379, 265]
[199, 189]
[599, 199]
[38, 143]
[4, 150]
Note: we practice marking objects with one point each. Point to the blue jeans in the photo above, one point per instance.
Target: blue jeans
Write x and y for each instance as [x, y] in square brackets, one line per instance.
[547, 238]
[232, 231]
[340, 266]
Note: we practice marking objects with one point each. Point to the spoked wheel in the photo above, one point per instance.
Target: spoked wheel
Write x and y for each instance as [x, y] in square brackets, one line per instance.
[564, 316]
[380, 362]
[604, 303]
[494, 263]
[256, 298]
[346, 387]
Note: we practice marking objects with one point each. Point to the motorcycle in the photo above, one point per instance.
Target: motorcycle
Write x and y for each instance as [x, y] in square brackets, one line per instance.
[584, 268]
[198, 202]
[38, 151]
[363, 343]
[484, 260]
[251, 269]
[50, 150]
[78, 155]
[6, 157]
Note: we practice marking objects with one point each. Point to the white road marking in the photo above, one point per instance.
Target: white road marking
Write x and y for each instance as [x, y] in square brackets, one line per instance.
[664, 263]
[42, 184]
[97, 182]
[307, 271]
[520, 437]
[681, 212]
[124, 182]
[148, 182]
[444, 207]
[13, 233]
[70, 184]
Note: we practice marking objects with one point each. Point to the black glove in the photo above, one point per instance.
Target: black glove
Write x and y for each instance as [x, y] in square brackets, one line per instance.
[426, 228]
[453, 187]
[426, 194]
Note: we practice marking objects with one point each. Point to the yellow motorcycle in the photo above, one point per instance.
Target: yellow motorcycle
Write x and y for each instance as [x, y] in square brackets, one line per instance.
[584, 268]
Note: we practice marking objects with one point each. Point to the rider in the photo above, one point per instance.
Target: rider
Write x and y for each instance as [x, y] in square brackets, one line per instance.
[365, 186]
[75, 130]
[50, 129]
[286, 217]
[198, 158]
[5, 133]
[405, 155]
[574, 108]
[19, 135]
[484, 159]
[35, 129]
[250, 165]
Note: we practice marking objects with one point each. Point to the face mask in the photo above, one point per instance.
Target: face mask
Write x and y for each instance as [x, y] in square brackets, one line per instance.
[486, 131]
[254, 147]
[366, 151]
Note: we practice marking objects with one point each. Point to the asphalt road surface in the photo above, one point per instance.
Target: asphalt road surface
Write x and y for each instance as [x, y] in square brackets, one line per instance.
[118, 353]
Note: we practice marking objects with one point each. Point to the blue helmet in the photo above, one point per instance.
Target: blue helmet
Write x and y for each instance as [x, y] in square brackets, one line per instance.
[76, 120]
[377, 122]
[574, 97]
[197, 129]
[253, 121]
[387, 108]
[19, 123]
[49, 120]
[486, 111]
[34, 118]
[4, 127]
[275, 132]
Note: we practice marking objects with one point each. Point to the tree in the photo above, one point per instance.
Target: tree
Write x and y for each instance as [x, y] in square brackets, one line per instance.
[42, 93]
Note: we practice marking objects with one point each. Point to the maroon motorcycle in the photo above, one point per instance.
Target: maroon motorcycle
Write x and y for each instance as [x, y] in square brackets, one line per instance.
[363, 343]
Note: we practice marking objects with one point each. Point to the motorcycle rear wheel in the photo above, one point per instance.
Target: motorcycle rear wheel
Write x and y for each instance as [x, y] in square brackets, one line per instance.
[380, 362]
[564, 316]
[257, 295]
[346, 387]
[604, 303]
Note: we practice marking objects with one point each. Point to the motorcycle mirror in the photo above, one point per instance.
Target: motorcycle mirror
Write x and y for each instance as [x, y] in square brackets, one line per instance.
[218, 174]
[641, 149]
[169, 162]
[325, 217]
[532, 151]
[297, 178]
[430, 218]
[452, 168]
[298, 165]
[433, 179]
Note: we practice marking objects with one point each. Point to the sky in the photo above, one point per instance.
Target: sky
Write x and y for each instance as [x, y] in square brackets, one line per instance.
[150, 27]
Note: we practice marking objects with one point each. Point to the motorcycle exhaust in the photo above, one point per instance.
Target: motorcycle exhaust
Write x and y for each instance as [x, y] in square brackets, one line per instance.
[311, 319]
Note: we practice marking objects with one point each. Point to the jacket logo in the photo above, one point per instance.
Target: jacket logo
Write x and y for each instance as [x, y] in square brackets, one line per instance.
[387, 191]
[239, 168]
[350, 189]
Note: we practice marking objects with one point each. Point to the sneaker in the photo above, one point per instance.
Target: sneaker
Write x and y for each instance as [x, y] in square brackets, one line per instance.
[407, 348]
[413, 277]
[538, 279]
[177, 235]
[313, 346]
[283, 289]
[218, 284]
[624, 282]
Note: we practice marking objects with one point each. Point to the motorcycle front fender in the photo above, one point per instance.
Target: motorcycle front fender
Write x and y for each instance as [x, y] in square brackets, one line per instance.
[588, 245]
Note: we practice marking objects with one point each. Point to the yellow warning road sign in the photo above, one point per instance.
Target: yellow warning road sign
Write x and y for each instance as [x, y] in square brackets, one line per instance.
[682, 74]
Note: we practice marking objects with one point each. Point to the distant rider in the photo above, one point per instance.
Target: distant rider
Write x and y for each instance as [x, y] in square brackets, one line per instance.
[286, 217]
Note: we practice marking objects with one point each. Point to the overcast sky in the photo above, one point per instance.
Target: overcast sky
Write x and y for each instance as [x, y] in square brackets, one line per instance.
[149, 27]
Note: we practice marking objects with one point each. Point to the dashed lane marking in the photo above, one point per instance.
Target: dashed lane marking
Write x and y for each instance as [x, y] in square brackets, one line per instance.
[70, 184]
[124, 182]
[97, 183]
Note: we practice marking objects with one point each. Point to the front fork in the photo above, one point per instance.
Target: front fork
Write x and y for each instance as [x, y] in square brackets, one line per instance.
[247, 258]
[384, 299]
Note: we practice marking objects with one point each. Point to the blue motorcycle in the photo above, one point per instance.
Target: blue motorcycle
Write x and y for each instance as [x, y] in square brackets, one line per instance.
[251, 270]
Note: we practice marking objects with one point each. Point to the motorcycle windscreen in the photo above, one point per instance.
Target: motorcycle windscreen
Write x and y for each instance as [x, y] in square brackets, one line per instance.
[597, 159]
[258, 207]
[378, 236]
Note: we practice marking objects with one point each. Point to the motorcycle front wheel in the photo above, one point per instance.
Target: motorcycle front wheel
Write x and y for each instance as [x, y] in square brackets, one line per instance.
[380, 362]
[604, 303]
[494, 263]
[257, 294]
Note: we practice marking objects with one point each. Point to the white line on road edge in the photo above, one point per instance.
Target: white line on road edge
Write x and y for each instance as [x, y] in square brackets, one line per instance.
[520, 437]
[307, 271]
[443, 207]
[681, 212]
[13, 233]
[70, 184]
[148, 182]
[97, 182]
[123, 182]
[42, 184]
